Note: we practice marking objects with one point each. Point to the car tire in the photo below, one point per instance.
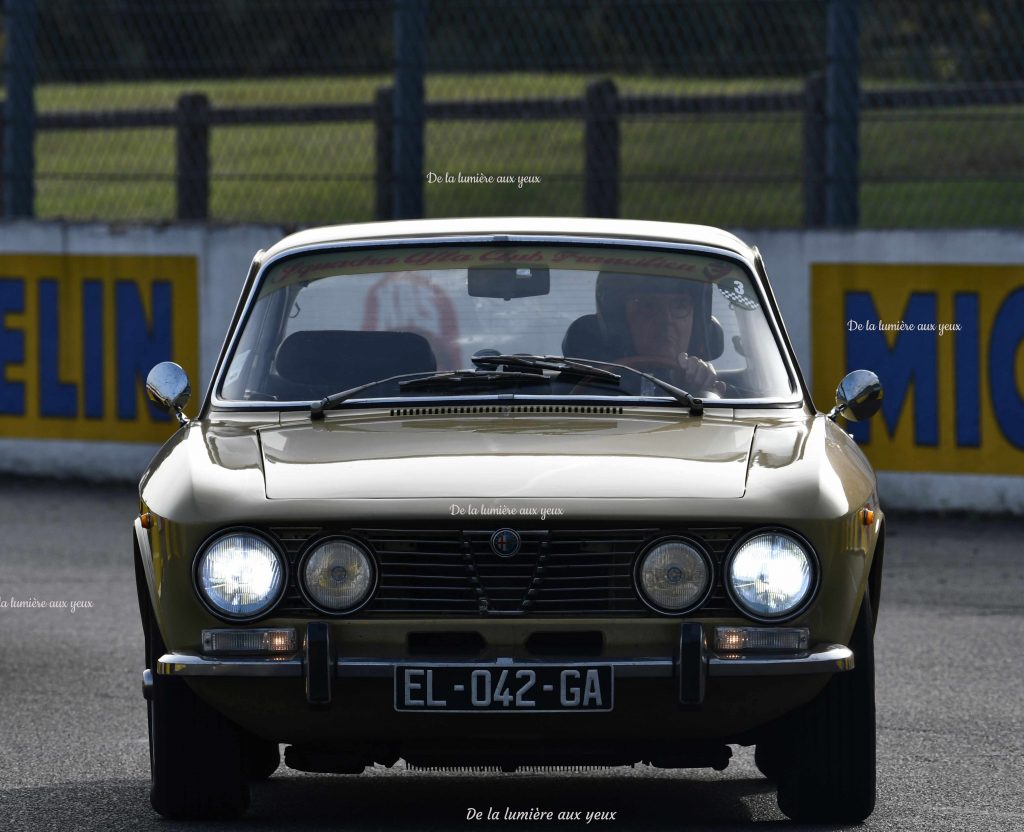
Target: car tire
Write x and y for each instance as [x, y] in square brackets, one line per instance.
[262, 757]
[196, 761]
[768, 759]
[828, 775]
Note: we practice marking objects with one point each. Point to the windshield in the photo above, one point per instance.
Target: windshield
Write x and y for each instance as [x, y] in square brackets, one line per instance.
[330, 321]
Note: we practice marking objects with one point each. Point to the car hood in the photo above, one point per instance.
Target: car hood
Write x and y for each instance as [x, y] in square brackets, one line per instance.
[507, 456]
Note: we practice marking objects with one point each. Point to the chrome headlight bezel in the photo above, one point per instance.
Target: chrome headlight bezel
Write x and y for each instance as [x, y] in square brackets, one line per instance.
[638, 570]
[300, 574]
[812, 592]
[204, 599]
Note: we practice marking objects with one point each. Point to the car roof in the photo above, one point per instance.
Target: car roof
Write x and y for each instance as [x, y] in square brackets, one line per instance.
[517, 226]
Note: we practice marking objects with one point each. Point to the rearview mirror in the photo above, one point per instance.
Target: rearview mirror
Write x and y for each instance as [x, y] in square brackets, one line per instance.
[167, 385]
[858, 396]
[509, 283]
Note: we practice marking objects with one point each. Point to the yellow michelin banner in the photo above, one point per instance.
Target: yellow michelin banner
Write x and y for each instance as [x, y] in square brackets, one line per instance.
[78, 335]
[947, 342]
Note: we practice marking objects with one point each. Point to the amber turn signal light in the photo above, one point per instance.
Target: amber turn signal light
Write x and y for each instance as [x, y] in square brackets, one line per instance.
[147, 520]
[867, 516]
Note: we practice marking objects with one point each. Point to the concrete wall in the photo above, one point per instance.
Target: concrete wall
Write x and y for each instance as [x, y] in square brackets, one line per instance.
[788, 256]
[792, 256]
[221, 256]
[934, 477]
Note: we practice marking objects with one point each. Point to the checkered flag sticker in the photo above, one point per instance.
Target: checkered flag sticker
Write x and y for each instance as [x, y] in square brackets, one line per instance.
[737, 293]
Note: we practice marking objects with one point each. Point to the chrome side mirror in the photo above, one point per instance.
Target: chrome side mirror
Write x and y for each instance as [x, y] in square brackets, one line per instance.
[167, 385]
[858, 396]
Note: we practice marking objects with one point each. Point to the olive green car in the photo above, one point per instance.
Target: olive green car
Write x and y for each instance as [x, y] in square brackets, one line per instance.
[510, 493]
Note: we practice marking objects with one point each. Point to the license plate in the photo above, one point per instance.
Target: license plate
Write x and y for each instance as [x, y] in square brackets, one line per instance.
[509, 688]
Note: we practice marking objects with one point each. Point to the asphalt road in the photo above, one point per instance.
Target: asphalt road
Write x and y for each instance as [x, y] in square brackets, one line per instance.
[73, 752]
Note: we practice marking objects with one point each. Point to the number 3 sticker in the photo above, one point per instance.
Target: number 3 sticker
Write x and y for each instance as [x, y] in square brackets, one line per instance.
[735, 291]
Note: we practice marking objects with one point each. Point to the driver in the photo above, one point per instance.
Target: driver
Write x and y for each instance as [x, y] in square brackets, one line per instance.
[660, 325]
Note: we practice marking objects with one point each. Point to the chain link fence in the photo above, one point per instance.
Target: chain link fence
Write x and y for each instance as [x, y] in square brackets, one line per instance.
[742, 113]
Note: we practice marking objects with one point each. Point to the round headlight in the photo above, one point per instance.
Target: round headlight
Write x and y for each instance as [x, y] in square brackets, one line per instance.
[674, 576]
[771, 575]
[338, 576]
[240, 575]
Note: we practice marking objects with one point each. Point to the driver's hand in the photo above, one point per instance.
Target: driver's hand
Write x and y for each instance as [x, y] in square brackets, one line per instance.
[698, 375]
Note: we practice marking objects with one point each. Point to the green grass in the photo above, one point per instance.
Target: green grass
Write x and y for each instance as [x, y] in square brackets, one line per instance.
[923, 169]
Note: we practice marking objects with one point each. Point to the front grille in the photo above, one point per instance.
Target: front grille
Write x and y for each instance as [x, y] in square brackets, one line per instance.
[426, 573]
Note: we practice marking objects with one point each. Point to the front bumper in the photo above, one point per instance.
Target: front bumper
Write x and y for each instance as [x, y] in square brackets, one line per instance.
[690, 665]
[825, 658]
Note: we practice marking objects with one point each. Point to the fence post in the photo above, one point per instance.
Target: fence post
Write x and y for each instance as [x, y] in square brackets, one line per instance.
[19, 109]
[193, 162]
[601, 141]
[842, 92]
[410, 65]
[814, 151]
[384, 123]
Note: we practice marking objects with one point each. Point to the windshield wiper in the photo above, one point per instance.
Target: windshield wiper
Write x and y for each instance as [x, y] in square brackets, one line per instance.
[580, 367]
[584, 368]
[424, 378]
[558, 363]
[467, 378]
[678, 393]
[316, 410]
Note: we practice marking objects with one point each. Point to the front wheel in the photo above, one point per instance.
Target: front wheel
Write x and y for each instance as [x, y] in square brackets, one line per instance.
[829, 772]
[196, 756]
[262, 757]
[769, 759]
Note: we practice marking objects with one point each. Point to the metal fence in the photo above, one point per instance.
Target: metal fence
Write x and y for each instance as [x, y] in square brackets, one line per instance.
[753, 113]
